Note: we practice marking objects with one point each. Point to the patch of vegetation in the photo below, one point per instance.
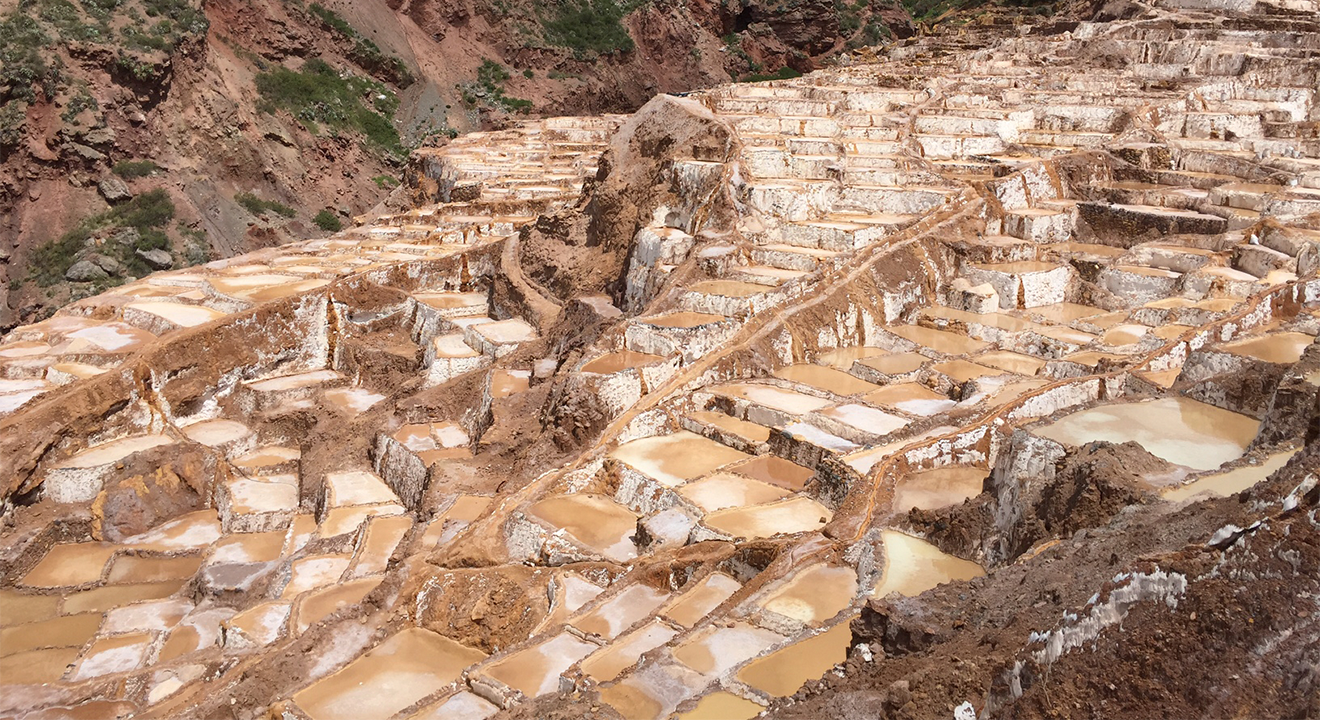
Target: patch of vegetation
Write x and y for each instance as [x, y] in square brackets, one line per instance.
[590, 26]
[257, 206]
[783, 73]
[365, 53]
[196, 246]
[22, 63]
[488, 90]
[317, 95]
[13, 122]
[385, 181]
[131, 169]
[328, 221]
[83, 100]
[145, 216]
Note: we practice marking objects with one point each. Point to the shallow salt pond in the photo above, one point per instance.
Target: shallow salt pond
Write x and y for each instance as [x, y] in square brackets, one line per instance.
[606, 664]
[1177, 429]
[722, 705]
[937, 488]
[1229, 482]
[706, 595]
[621, 611]
[597, 522]
[400, 671]
[677, 458]
[784, 671]
[913, 566]
[794, 515]
[713, 651]
[825, 378]
[536, 670]
[725, 490]
[911, 398]
[814, 594]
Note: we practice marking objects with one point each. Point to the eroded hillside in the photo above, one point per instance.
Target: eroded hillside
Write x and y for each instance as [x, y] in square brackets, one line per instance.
[977, 380]
[264, 121]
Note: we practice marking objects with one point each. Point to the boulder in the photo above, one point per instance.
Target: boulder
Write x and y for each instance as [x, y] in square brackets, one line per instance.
[156, 259]
[114, 190]
[108, 264]
[85, 271]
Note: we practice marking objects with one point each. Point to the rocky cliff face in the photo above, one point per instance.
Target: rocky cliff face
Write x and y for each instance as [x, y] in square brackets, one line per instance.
[218, 117]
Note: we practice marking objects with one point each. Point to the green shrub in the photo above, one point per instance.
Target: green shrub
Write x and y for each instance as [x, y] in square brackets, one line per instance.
[257, 206]
[22, 47]
[328, 221]
[590, 26]
[148, 213]
[783, 73]
[134, 168]
[317, 95]
[489, 89]
[385, 181]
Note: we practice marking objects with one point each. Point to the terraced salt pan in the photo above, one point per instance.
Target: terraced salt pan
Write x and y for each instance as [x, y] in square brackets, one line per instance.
[697, 602]
[317, 605]
[620, 612]
[67, 631]
[713, 651]
[725, 490]
[267, 457]
[432, 436]
[116, 654]
[1229, 482]
[1011, 362]
[352, 400]
[214, 433]
[937, 488]
[147, 569]
[913, 566]
[722, 705]
[113, 452]
[312, 572]
[595, 521]
[178, 314]
[784, 671]
[619, 361]
[294, 382]
[461, 706]
[866, 418]
[911, 398]
[843, 358]
[536, 670]
[674, 459]
[815, 594]
[1177, 429]
[1064, 313]
[683, 320]
[395, 674]
[1283, 348]
[114, 336]
[938, 340]
[356, 488]
[606, 664]
[961, 371]
[787, 401]
[775, 470]
[247, 548]
[825, 378]
[192, 531]
[101, 599]
[239, 284]
[794, 515]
